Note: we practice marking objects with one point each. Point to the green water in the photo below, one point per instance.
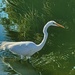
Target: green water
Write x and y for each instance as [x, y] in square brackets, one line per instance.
[58, 55]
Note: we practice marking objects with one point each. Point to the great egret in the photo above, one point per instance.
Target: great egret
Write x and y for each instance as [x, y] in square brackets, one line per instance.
[28, 48]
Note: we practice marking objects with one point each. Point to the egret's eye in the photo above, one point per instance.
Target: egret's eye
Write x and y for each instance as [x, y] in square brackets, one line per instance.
[53, 23]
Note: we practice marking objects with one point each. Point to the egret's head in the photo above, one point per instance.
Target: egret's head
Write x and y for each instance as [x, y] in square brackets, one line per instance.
[53, 23]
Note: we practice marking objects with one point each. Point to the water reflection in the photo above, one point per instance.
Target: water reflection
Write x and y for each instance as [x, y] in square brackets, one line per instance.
[22, 68]
[3, 14]
[2, 68]
[2, 34]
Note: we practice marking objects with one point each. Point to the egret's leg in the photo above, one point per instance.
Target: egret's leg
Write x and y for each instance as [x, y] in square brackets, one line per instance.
[22, 57]
[28, 59]
[21, 60]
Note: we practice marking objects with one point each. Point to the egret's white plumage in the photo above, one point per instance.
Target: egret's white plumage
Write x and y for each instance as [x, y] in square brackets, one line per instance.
[28, 48]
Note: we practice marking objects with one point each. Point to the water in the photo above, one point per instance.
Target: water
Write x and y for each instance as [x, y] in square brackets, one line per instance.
[58, 55]
[0, 1]
[2, 38]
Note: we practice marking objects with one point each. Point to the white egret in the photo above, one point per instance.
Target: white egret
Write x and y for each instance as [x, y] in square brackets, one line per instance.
[28, 48]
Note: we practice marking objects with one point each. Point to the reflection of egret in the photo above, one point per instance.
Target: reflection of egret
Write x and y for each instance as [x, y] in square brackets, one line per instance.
[23, 68]
[28, 48]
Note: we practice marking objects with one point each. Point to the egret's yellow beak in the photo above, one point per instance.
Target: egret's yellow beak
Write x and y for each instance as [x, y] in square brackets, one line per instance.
[58, 25]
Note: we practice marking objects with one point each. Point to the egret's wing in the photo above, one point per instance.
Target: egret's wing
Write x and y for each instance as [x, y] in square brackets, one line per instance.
[21, 48]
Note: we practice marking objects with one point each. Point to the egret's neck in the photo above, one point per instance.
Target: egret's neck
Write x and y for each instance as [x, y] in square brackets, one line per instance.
[40, 46]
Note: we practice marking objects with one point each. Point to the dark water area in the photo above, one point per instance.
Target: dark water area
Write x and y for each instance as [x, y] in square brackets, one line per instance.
[26, 22]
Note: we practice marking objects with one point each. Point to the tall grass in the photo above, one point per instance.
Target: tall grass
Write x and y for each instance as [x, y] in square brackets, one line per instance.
[31, 16]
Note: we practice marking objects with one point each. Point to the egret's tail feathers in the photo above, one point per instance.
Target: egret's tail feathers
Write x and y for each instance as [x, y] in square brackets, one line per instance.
[2, 46]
